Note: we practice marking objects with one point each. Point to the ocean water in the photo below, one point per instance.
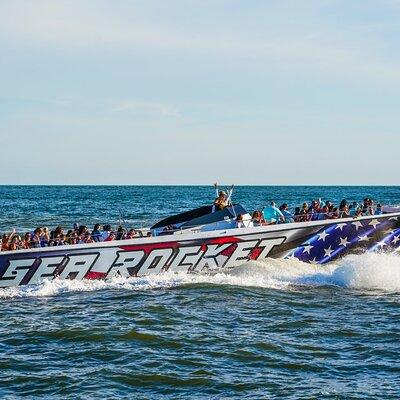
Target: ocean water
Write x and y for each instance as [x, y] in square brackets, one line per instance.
[276, 329]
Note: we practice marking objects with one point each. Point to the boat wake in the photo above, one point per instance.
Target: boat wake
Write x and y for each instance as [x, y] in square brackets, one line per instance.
[369, 271]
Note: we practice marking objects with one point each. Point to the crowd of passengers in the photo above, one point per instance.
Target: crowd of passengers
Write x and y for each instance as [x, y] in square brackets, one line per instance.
[79, 234]
[316, 211]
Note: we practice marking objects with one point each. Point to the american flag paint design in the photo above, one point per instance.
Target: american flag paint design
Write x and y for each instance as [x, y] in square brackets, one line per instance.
[335, 240]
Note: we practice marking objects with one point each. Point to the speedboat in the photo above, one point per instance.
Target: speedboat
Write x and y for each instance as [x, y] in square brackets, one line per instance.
[204, 241]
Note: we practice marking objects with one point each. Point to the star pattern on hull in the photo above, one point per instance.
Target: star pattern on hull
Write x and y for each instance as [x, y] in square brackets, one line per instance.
[337, 239]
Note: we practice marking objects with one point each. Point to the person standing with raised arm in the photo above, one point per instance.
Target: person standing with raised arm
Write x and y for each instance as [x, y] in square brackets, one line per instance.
[223, 199]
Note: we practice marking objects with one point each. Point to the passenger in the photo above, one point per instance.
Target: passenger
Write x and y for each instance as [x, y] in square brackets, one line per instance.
[82, 230]
[344, 210]
[272, 214]
[314, 210]
[27, 242]
[223, 199]
[329, 204]
[37, 238]
[378, 210]
[371, 207]
[368, 206]
[314, 206]
[73, 239]
[45, 237]
[131, 234]
[96, 234]
[120, 233]
[359, 212]
[239, 221]
[289, 217]
[333, 214]
[257, 218]
[56, 241]
[343, 203]
[353, 209]
[63, 240]
[110, 237]
[87, 238]
[323, 214]
[6, 239]
[15, 243]
[297, 214]
[106, 232]
[220, 202]
[304, 215]
[57, 232]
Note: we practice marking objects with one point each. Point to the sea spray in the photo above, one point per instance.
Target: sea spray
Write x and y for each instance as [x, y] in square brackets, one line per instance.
[365, 271]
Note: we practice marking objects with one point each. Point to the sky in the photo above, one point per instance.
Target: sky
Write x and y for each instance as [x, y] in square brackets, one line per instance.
[197, 91]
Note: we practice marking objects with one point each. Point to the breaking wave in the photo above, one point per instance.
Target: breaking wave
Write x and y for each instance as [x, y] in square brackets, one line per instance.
[369, 271]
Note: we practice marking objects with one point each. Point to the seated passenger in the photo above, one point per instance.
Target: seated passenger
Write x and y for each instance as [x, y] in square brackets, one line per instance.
[87, 238]
[304, 215]
[289, 217]
[272, 214]
[378, 210]
[96, 234]
[15, 243]
[45, 237]
[239, 221]
[106, 232]
[120, 233]
[257, 218]
[297, 214]
[130, 234]
[333, 214]
[26, 243]
[110, 237]
[323, 214]
[6, 239]
[57, 241]
[73, 238]
[368, 206]
[344, 210]
[57, 232]
[314, 210]
[37, 238]
[353, 209]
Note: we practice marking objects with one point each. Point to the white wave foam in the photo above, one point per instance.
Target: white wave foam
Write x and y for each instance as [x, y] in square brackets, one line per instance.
[365, 271]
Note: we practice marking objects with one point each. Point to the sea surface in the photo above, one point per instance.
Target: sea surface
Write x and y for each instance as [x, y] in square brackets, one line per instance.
[276, 329]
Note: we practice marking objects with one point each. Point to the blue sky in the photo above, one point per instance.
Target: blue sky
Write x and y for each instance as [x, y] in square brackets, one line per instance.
[197, 91]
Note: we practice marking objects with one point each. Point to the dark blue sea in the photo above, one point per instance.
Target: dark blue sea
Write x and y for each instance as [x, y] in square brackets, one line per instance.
[277, 329]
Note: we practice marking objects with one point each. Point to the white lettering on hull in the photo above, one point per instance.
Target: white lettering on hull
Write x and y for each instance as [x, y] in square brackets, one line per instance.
[125, 260]
[186, 259]
[78, 266]
[15, 272]
[155, 261]
[46, 269]
[137, 262]
[268, 245]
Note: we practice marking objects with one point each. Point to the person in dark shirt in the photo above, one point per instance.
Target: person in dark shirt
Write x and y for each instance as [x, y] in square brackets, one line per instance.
[96, 233]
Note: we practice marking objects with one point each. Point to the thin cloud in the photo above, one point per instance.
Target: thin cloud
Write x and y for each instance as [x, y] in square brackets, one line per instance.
[146, 108]
[296, 48]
